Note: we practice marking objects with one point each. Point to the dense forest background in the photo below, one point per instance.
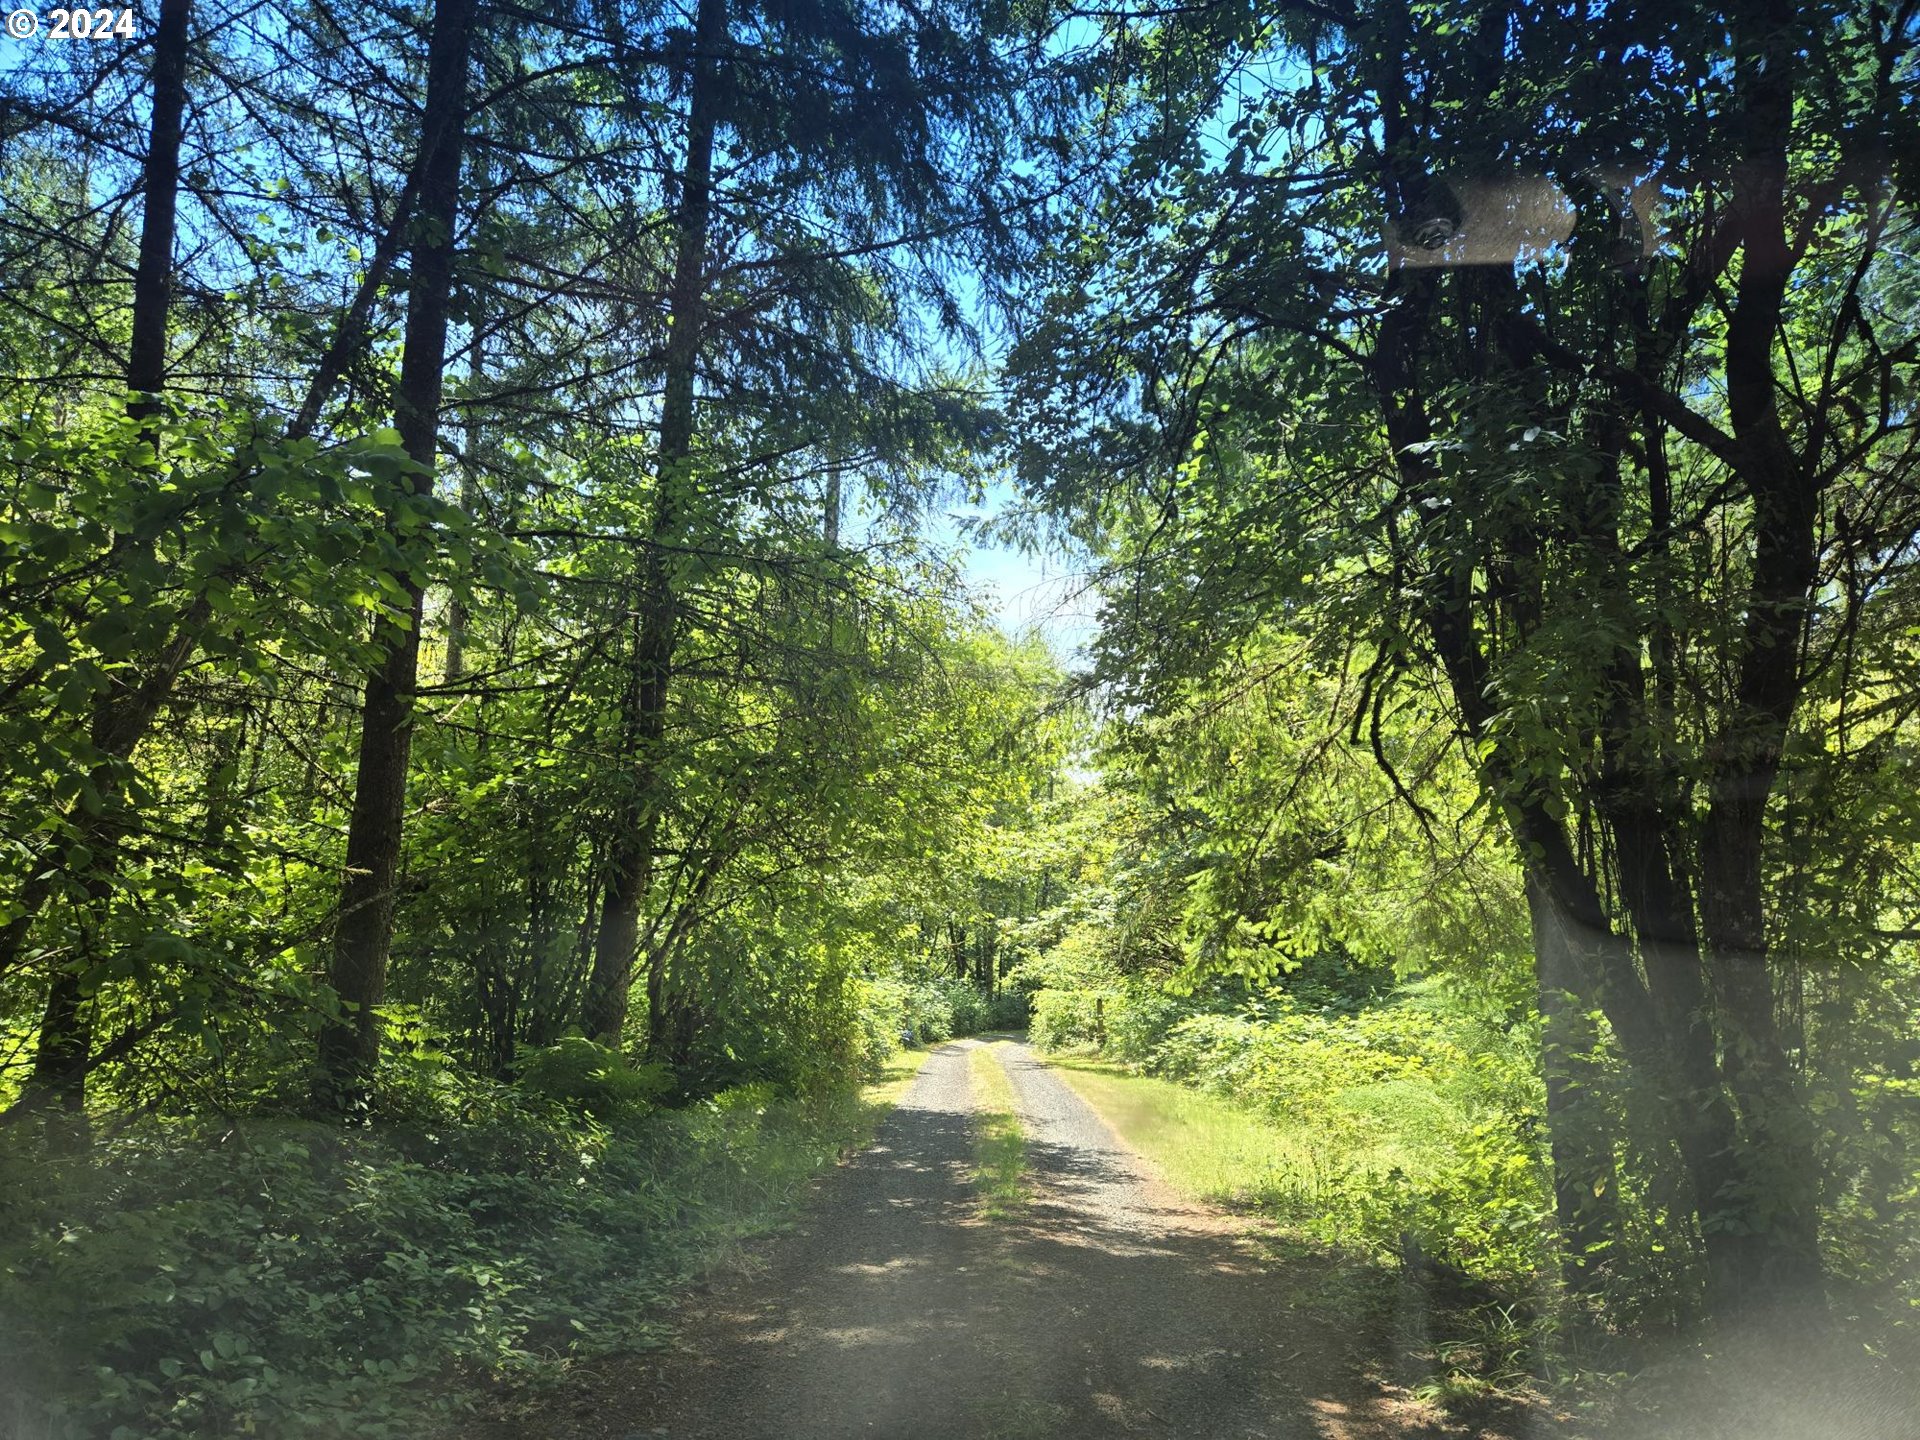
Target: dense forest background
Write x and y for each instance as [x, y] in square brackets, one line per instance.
[497, 746]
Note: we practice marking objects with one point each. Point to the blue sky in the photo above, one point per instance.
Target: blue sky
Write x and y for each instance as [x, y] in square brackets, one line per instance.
[1044, 594]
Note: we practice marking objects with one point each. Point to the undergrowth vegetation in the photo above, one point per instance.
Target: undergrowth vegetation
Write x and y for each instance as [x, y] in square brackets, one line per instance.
[1407, 1128]
[274, 1276]
[942, 1007]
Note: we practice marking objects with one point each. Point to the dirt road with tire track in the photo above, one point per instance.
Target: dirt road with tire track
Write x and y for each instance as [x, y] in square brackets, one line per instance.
[1107, 1306]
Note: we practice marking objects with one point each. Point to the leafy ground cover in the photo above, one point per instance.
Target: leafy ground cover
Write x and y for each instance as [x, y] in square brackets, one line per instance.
[287, 1279]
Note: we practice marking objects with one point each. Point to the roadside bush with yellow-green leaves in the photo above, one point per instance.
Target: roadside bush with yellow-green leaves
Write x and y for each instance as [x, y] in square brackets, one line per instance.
[938, 1008]
[1122, 1022]
[1408, 1125]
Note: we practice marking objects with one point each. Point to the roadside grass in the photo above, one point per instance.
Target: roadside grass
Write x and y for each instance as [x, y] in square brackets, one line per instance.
[1510, 1361]
[999, 1144]
[1207, 1147]
[883, 1094]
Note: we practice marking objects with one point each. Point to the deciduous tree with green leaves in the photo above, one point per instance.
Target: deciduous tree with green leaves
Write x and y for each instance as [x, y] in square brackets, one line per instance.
[1558, 355]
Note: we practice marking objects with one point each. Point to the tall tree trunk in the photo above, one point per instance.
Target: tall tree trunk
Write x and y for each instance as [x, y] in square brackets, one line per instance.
[457, 616]
[1579, 1127]
[1746, 753]
[1661, 1022]
[350, 1044]
[160, 198]
[61, 1059]
[631, 858]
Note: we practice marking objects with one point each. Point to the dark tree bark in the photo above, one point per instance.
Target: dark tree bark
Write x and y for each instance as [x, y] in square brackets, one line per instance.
[1746, 753]
[1579, 1128]
[631, 858]
[458, 618]
[350, 1044]
[1664, 1022]
[957, 947]
[160, 197]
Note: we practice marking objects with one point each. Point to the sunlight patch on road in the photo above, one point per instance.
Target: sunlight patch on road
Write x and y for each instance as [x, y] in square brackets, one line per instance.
[889, 1267]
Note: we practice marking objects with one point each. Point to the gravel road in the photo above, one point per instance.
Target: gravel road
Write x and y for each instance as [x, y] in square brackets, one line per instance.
[1106, 1307]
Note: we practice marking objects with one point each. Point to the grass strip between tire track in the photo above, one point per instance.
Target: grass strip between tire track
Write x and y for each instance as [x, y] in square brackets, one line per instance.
[999, 1144]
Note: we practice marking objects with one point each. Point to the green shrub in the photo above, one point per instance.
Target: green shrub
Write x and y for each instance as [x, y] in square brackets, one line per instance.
[968, 1006]
[303, 1281]
[1065, 1019]
[928, 1014]
[880, 1020]
[939, 1009]
[1399, 1123]
[1124, 1024]
[1138, 1019]
[592, 1079]
[1007, 1011]
[754, 1099]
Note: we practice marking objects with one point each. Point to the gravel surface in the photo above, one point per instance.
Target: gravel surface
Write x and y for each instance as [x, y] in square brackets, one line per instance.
[1106, 1307]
